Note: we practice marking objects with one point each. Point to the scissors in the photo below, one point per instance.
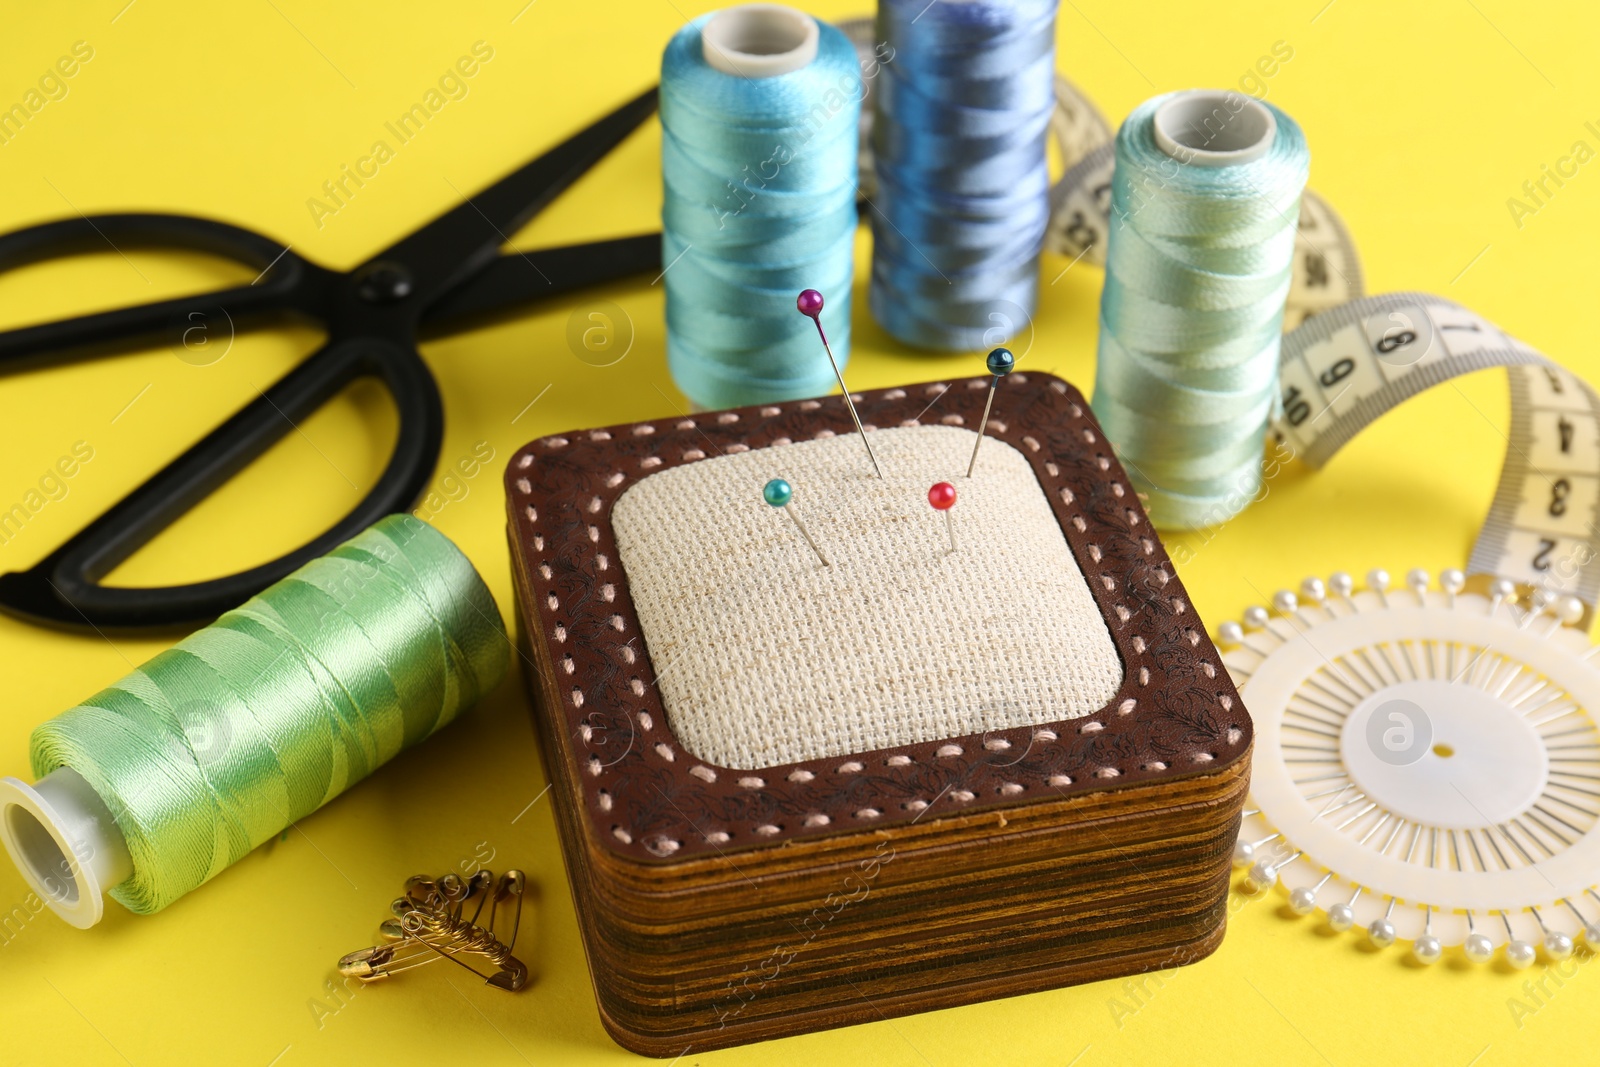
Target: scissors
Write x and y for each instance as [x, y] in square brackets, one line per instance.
[441, 278]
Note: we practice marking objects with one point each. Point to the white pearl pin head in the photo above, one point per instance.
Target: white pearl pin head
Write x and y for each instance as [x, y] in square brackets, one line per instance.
[1260, 877]
[1478, 948]
[1557, 945]
[1520, 954]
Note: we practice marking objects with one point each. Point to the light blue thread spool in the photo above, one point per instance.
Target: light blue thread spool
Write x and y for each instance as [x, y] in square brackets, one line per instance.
[962, 117]
[760, 107]
[1204, 206]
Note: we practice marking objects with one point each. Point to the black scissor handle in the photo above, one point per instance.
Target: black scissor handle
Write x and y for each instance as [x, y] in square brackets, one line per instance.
[286, 284]
[372, 315]
[63, 588]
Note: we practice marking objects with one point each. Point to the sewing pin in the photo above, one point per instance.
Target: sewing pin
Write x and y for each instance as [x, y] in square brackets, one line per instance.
[779, 493]
[1000, 363]
[810, 305]
[943, 497]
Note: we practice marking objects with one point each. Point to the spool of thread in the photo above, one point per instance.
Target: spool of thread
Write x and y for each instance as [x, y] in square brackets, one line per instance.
[962, 119]
[1204, 206]
[154, 786]
[760, 106]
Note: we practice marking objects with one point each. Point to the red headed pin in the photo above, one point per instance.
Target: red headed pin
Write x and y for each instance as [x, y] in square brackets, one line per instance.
[943, 497]
[810, 305]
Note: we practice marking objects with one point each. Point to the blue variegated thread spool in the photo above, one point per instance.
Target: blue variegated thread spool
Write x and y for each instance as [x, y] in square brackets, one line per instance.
[962, 116]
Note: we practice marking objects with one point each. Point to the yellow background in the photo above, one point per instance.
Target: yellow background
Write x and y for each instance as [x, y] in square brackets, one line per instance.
[1423, 120]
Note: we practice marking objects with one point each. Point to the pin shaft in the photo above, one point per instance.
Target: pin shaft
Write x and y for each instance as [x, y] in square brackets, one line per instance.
[1000, 362]
[950, 528]
[851, 404]
[983, 425]
[806, 534]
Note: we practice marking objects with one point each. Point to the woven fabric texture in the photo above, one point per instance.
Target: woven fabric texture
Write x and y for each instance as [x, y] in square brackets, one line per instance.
[766, 657]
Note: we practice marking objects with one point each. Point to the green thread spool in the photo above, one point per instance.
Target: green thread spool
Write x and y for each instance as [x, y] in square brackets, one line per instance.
[1203, 210]
[157, 784]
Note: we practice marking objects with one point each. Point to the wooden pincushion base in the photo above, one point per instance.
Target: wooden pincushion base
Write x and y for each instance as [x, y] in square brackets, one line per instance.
[722, 905]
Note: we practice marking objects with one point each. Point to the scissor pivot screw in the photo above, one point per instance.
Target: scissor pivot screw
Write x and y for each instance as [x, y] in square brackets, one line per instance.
[383, 283]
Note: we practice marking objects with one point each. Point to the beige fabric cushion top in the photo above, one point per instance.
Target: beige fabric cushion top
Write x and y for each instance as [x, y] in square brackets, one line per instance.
[765, 657]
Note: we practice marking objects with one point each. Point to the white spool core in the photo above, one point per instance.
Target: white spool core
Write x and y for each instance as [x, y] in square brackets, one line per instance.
[1213, 128]
[759, 40]
[62, 838]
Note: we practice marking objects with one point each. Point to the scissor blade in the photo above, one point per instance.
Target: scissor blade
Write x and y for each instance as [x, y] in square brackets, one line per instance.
[517, 279]
[465, 239]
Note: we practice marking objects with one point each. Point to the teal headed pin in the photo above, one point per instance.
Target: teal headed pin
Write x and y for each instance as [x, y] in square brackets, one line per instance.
[1000, 363]
[779, 494]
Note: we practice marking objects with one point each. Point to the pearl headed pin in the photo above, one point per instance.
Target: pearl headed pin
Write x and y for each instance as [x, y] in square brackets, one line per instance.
[942, 496]
[779, 493]
[1000, 363]
[809, 304]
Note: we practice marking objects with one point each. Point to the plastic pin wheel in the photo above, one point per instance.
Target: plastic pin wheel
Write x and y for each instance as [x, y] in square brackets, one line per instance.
[1427, 765]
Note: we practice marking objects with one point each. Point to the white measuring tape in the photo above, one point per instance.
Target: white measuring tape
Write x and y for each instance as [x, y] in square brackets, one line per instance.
[1344, 368]
[1348, 358]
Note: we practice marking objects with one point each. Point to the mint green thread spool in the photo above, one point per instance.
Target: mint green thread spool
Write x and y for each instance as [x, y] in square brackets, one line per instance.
[158, 783]
[1205, 203]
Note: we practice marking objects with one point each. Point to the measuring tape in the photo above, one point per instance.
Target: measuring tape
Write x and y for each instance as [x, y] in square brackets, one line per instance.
[1344, 368]
[1426, 763]
[1348, 358]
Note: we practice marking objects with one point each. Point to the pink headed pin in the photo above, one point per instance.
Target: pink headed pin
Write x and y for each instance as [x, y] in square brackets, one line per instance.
[809, 304]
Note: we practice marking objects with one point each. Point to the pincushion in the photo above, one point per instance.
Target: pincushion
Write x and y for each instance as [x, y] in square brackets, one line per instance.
[793, 795]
